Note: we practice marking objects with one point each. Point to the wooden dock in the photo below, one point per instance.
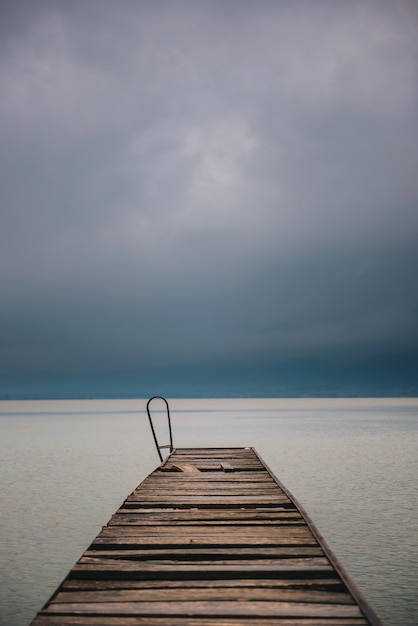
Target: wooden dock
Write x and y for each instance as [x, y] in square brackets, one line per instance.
[211, 537]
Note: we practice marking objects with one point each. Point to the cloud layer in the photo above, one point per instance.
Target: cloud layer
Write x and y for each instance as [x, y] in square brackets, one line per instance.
[202, 182]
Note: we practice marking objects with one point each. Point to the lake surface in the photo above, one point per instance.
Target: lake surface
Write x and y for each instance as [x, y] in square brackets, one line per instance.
[66, 465]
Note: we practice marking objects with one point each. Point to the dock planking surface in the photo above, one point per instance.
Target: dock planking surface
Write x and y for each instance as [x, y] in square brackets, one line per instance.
[211, 537]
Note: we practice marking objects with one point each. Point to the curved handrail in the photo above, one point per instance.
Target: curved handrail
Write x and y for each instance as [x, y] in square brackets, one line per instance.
[157, 445]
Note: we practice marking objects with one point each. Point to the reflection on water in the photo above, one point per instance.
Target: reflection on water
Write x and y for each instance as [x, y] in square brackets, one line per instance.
[65, 466]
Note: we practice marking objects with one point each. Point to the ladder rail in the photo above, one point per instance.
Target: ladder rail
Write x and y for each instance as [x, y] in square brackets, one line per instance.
[157, 445]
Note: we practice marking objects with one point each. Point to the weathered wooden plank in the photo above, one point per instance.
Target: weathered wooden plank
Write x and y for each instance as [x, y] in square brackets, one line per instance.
[251, 515]
[213, 480]
[236, 609]
[245, 486]
[219, 485]
[138, 520]
[214, 453]
[100, 567]
[188, 558]
[203, 594]
[210, 467]
[188, 468]
[210, 477]
[232, 479]
[201, 502]
[319, 584]
[184, 494]
[204, 554]
[202, 540]
[181, 493]
[213, 465]
[204, 455]
[105, 620]
[217, 462]
[129, 517]
[242, 485]
[272, 533]
[218, 497]
[126, 557]
[218, 450]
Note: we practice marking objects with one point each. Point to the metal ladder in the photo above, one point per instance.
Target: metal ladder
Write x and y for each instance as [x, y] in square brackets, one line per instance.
[157, 445]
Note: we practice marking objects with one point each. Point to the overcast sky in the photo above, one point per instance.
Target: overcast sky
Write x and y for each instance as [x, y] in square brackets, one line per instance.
[191, 182]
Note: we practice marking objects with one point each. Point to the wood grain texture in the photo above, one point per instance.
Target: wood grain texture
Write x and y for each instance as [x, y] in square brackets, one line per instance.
[209, 538]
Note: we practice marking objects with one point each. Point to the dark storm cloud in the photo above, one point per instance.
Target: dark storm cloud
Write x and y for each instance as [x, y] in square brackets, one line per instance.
[189, 182]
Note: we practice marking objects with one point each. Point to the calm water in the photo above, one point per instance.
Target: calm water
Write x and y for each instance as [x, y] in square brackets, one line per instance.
[65, 466]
